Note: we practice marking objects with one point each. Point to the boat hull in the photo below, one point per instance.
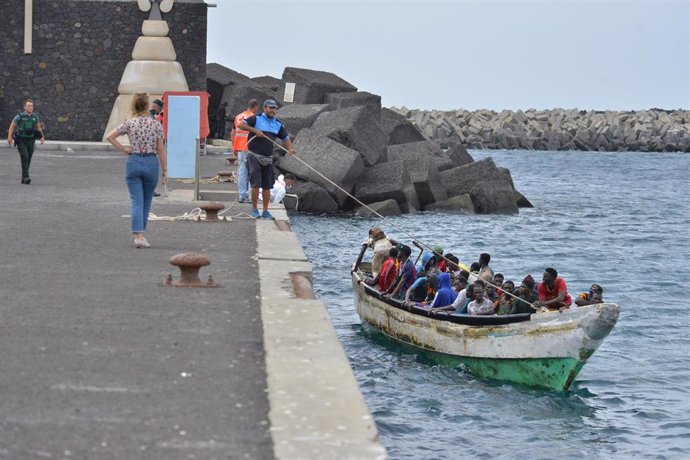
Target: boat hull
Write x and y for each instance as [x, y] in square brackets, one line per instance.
[548, 350]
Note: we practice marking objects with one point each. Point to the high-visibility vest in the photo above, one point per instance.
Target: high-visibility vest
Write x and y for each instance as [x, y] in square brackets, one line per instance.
[241, 138]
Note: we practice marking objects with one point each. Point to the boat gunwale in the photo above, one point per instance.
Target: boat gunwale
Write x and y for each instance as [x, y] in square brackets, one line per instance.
[466, 320]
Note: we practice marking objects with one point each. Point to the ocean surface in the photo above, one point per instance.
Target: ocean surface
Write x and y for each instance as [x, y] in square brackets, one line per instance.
[618, 219]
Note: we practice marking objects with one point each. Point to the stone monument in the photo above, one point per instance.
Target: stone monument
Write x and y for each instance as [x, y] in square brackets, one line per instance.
[153, 68]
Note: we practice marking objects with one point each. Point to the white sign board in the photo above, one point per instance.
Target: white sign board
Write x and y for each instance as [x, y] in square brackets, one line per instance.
[183, 116]
[289, 95]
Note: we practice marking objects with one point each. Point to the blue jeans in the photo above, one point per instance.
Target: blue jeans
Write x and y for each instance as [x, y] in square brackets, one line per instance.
[141, 175]
[243, 179]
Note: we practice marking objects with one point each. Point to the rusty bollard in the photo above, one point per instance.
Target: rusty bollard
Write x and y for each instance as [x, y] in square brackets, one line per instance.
[189, 264]
[212, 209]
[224, 175]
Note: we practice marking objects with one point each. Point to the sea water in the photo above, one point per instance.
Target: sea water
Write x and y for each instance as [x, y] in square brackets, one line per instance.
[621, 220]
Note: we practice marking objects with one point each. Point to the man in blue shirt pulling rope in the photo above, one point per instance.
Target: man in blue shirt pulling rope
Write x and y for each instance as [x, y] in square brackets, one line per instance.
[263, 130]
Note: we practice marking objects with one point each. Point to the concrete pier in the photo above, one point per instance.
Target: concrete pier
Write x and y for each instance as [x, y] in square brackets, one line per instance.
[101, 361]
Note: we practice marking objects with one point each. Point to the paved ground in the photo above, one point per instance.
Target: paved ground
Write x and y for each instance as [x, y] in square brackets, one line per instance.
[98, 360]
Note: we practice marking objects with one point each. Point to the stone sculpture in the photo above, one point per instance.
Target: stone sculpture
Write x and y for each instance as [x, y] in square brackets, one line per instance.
[153, 68]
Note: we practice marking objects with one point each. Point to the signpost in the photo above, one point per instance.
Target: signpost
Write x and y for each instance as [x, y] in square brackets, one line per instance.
[28, 26]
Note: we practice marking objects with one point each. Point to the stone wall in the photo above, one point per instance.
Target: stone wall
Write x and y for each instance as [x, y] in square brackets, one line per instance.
[646, 131]
[80, 49]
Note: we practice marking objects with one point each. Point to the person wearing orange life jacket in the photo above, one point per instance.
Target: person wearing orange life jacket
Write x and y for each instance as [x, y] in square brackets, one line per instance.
[239, 139]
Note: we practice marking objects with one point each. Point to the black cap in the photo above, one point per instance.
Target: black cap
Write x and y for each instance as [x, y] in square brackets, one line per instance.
[158, 102]
[597, 288]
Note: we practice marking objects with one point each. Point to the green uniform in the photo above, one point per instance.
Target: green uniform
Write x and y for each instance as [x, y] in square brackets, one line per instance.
[25, 139]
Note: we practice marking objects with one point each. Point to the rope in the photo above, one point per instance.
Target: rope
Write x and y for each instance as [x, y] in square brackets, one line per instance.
[211, 180]
[390, 222]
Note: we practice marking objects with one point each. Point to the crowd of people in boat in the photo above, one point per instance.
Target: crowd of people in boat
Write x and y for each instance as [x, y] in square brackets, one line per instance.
[444, 286]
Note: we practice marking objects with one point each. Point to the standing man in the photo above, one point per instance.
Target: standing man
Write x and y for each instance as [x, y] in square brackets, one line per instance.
[263, 129]
[406, 274]
[239, 140]
[156, 112]
[220, 120]
[24, 130]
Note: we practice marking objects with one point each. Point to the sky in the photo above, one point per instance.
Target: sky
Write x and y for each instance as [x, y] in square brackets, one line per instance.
[489, 54]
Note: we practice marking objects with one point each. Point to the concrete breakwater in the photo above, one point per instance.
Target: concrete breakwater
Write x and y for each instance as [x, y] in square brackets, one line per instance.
[356, 156]
[558, 129]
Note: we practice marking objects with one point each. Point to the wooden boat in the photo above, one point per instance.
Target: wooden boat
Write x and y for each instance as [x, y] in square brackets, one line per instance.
[537, 349]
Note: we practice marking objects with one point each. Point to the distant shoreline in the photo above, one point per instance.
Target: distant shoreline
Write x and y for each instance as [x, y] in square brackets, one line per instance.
[653, 130]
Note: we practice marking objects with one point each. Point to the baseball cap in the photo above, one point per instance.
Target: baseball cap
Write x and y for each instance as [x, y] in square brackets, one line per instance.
[270, 103]
[437, 249]
[597, 288]
[158, 102]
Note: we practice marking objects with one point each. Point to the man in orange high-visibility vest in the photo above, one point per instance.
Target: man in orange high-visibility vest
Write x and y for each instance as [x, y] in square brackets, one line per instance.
[239, 139]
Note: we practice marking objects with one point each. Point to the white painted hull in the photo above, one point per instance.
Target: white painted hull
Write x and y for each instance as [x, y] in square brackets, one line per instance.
[569, 337]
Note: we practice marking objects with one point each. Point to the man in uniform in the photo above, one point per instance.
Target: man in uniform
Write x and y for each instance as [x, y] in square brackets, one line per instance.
[24, 130]
[239, 140]
[263, 129]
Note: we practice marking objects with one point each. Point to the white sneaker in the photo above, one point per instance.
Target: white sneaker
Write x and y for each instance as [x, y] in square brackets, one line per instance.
[141, 243]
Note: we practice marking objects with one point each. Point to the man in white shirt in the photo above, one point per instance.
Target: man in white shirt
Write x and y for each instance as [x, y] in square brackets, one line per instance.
[480, 305]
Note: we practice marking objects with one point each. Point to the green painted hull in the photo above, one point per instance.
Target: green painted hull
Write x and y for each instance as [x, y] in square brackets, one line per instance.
[551, 373]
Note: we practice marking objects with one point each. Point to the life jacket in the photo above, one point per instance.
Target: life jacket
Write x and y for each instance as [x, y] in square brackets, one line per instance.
[26, 127]
[239, 142]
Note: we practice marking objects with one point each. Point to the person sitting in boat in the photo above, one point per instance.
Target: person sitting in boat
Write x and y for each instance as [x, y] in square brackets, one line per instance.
[459, 305]
[507, 304]
[452, 265]
[381, 245]
[428, 264]
[440, 261]
[485, 272]
[459, 284]
[445, 294]
[406, 274]
[526, 294]
[481, 305]
[552, 291]
[590, 298]
[388, 272]
[423, 289]
[473, 273]
[490, 292]
[498, 282]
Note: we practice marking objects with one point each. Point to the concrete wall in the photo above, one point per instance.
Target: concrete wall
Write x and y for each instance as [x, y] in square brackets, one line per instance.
[646, 130]
[80, 49]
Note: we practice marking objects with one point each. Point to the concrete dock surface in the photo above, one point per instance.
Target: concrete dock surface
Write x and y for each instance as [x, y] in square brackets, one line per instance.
[100, 360]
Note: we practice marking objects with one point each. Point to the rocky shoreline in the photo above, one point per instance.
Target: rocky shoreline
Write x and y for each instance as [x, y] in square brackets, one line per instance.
[652, 130]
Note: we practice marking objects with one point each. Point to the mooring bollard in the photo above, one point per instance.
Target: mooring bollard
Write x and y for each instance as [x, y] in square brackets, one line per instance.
[189, 263]
[212, 211]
